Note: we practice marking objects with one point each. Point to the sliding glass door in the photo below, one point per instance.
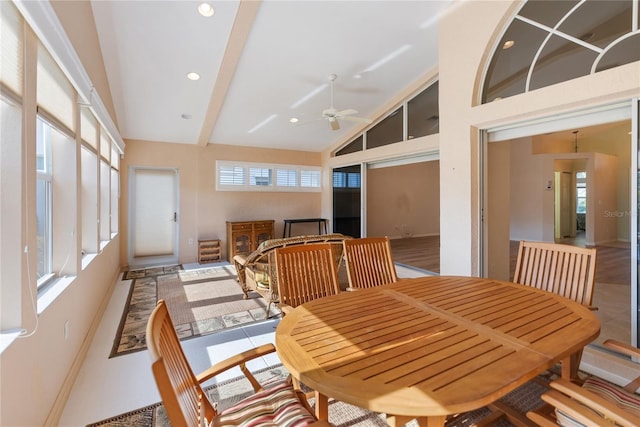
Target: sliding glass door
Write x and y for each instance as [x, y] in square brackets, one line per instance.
[347, 200]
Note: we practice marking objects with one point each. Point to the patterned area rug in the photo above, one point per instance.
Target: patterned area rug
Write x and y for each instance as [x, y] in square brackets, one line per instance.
[200, 302]
[227, 393]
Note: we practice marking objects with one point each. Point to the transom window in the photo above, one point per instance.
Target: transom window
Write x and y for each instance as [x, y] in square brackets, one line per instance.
[550, 42]
[246, 176]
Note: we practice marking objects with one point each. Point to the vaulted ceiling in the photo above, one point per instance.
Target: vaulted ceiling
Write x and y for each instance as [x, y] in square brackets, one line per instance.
[260, 64]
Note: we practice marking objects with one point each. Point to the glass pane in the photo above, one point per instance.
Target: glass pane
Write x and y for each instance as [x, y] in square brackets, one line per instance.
[352, 147]
[346, 201]
[388, 131]
[559, 61]
[508, 70]
[624, 52]
[310, 179]
[231, 175]
[89, 193]
[546, 12]
[423, 114]
[599, 22]
[286, 178]
[105, 200]
[115, 197]
[260, 176]
[43, 226]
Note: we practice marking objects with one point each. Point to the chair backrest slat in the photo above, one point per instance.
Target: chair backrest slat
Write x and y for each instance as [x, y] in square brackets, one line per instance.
[182, 395]
[305, 273]
[565, 270]
[369, 262]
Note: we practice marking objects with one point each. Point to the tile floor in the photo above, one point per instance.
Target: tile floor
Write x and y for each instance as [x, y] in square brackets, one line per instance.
[108, 387]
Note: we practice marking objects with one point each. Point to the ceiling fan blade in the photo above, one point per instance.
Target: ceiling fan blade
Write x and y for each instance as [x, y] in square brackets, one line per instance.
[357, 119]
[333, 123]
[348, 112]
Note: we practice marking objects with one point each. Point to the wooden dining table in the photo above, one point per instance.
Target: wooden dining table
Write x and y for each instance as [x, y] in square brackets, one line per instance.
[430, 347]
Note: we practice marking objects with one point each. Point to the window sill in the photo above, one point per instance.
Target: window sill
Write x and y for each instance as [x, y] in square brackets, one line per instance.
[8, 337]
[52, 292]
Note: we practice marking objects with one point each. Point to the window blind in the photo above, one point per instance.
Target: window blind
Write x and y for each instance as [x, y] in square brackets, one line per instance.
[260, 176]
[286, 178]
[115, 157]
[105, 145]
[54, 93]
[89, 127]
[310, 179]
[11, 47]
[231, 175]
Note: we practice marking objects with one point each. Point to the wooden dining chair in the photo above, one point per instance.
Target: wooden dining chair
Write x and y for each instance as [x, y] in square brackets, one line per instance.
[369, 262]
[596, 403]
[305, 273]
[187, 404]
[565, 270]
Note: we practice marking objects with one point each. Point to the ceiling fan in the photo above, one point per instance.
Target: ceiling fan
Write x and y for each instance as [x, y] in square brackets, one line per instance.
[332, 115]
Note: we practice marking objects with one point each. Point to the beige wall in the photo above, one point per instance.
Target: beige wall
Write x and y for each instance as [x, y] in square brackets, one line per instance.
[38, 370]
[203, 210]
[460, 77]
[404, 201]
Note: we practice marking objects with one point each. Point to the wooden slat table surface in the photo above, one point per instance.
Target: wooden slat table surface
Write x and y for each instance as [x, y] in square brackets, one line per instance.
[430, 346]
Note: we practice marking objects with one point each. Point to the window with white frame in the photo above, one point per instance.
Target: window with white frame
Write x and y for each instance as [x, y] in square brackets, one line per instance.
[44, 199]
[246, 176]
[581, 192]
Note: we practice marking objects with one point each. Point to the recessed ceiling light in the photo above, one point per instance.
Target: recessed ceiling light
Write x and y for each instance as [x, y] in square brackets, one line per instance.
[186, 116]
[206, 9]
[293, 120]
[193, 76]
[508, 44]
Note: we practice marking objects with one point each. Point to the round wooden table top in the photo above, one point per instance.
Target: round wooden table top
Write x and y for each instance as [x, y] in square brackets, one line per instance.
[430, 346]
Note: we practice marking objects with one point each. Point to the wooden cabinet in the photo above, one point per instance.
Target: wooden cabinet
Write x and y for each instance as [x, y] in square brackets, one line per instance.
[209, 251]
[243, 237]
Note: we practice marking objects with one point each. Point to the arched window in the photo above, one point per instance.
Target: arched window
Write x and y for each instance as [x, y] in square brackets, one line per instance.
[550, 42]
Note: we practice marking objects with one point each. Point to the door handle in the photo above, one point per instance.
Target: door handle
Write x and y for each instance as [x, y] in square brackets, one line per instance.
[175, 217]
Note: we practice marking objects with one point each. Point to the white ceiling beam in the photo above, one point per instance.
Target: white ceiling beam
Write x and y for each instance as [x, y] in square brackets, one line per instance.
[247, 11]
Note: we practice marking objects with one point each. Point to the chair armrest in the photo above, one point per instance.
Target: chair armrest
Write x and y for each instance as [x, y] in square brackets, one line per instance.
[240, 260]
[584, 403]
[237, 360]
[623, 348]
[285, 308]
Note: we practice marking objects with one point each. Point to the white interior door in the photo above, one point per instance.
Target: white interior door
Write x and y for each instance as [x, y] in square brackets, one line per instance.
[153, 216]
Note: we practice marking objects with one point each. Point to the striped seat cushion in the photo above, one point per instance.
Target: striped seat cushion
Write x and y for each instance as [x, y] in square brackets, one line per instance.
[276, 406]
[623, 399]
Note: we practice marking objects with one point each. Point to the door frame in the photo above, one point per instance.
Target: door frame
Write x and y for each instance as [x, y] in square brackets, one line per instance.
[627, 110]
[152, 260]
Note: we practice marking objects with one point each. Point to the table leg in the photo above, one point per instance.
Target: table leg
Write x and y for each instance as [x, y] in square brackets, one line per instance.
[322, 406]
[400, 420]
[570, 366]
